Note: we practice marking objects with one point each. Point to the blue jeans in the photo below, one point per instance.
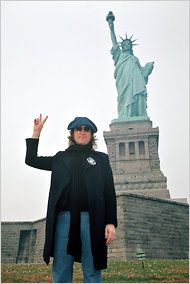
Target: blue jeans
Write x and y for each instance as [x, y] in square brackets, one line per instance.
[63, 263]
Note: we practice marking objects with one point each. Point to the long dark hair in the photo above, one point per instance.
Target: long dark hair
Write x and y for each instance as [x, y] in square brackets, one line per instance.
[72, 141]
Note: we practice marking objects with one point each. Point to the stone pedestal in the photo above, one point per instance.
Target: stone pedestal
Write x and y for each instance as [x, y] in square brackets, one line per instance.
[133, 152]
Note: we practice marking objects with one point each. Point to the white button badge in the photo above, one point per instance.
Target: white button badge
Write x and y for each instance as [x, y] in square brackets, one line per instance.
[91, 161]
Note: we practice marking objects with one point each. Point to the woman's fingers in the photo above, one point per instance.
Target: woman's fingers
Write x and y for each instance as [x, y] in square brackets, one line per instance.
[109, 233]
[35, 122]
[40, 121]
[45, 119]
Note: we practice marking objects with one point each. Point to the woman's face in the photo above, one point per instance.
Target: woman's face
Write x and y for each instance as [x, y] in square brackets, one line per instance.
[126, 45]
[82, 134]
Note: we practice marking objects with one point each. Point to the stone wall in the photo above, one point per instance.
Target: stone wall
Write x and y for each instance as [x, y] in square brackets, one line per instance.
[133, 152]
[158, 226]
[22, 241]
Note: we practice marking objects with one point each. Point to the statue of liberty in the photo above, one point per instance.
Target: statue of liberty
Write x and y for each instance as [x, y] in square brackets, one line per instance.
[131, 77]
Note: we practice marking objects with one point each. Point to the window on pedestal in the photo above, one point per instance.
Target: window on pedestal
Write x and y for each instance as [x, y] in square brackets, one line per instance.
[121, 149]
[131, 148]
[141, 148]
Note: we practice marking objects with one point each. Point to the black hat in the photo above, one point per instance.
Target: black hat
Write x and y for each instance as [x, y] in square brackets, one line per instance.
[82, 121]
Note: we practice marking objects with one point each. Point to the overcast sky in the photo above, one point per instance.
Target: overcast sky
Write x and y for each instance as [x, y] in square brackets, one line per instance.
[55, 60]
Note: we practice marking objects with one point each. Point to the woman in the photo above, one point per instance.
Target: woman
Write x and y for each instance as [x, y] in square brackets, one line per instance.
[131, 78]
[81, 215]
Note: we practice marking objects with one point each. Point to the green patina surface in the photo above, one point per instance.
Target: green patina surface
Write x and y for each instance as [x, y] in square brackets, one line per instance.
[131, 78]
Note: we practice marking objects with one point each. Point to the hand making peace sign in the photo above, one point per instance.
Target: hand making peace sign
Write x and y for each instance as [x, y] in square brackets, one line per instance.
[38, 125]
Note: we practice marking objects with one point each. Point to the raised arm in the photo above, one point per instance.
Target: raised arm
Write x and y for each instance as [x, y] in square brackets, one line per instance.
[110, 19]
[32, 159]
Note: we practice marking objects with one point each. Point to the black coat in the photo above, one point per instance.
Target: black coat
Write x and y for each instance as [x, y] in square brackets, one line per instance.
[100, 192]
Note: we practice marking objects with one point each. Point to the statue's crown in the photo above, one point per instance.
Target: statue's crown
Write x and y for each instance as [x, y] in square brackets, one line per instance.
[129, 40]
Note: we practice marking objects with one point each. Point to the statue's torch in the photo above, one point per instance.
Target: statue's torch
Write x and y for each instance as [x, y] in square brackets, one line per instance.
[110, 19]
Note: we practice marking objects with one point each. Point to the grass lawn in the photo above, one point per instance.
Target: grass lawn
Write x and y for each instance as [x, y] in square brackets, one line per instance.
[154, 271]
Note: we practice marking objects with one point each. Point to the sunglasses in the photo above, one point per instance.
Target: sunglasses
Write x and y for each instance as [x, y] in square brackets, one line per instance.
[80, 128]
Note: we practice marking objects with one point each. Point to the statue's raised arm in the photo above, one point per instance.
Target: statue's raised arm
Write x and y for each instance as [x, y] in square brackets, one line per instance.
[110, 19]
